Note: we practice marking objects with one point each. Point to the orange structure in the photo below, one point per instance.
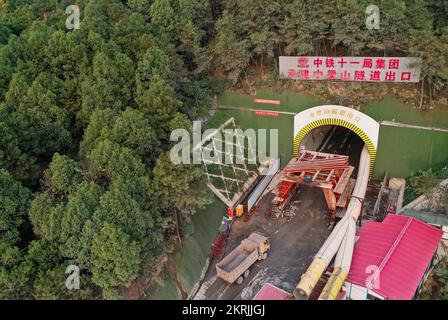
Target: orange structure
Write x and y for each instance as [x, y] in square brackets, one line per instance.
[329, 172]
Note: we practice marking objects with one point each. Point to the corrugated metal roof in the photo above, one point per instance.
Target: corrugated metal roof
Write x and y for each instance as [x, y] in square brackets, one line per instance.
[391, 257]
[271, 292]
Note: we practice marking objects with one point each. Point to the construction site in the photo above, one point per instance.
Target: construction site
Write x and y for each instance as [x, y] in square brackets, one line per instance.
[296, 232]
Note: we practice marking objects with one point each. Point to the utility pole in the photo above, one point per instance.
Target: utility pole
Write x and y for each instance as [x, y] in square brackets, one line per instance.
[432, 141]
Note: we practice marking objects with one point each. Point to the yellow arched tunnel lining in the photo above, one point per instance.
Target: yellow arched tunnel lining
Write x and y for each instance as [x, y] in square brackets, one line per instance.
[338, 122]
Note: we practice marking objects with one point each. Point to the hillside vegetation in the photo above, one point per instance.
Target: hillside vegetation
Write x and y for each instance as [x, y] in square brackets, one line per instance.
[86, 115]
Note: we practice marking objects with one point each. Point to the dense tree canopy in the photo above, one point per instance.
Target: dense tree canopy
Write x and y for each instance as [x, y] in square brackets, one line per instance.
[14, 204]
[86, 115]
[258, 31]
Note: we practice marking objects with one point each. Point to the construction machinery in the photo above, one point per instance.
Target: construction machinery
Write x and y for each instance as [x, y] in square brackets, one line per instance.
[235, 266]
[219, 244]
[329, 172]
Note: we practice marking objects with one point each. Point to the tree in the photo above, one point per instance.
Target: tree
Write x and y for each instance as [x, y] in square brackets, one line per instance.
[195, 17]
[84, 116]
[130, 31]
[230, 49]
[108, 161]
[67, 56]
[14, 273]
[439, 10]
[193, 53]
[260, 23]
[179, 188]
[21, 165]
[4, 34]
[42, 254]
[109, 86]
[199, 13]
[36, 37]
[76, 231]
[130, 205]
[8, 55]
[99, 121]
[63, 174]
[307, 27]
[196, 98]
[424, 182]
[116, 259]
[350, 26]
[44, 127]
[181, 121]
[164, 22]
[95, 19]
[140, 6]
[159, 101]
[134, 131]
[155, 62]
[434, 52]
[46, 216]
[50, 284]
[17, 89]
[119, 207]
[18, 15]
[393, 24]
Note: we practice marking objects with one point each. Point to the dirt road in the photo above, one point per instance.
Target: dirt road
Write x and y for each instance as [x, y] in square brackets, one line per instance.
[294, 241]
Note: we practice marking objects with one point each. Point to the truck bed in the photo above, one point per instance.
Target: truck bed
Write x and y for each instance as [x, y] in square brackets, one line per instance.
[240, 259]
[236, 262]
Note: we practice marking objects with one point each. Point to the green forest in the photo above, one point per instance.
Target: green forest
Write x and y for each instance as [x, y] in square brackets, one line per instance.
[86, 116]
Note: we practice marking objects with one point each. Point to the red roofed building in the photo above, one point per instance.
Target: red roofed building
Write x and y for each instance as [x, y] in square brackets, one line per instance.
[391, 258]
[271, 292]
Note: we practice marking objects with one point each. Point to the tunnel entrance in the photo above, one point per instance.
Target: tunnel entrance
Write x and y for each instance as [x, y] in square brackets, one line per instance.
[328, 159]
[359, 123]
[337, 140]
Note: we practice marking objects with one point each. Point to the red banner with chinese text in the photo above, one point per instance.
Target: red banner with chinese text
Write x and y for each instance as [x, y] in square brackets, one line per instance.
[374, 69]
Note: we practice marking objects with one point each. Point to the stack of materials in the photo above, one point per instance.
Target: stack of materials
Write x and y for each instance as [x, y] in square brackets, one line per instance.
[317, 165]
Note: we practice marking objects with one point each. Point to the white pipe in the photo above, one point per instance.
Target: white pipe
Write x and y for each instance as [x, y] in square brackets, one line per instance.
[346, 251]
[344, 257]
[333, 242]
[356, 201]
[363, 174]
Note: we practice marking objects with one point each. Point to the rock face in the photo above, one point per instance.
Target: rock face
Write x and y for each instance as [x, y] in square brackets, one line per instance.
[432, 201]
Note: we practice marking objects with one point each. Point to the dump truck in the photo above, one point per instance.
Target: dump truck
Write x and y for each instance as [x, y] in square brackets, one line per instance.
[235, 266]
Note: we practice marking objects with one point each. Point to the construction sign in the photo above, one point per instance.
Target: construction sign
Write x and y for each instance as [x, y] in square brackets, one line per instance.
[373, 69]
[230, 213]
[360, 123]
